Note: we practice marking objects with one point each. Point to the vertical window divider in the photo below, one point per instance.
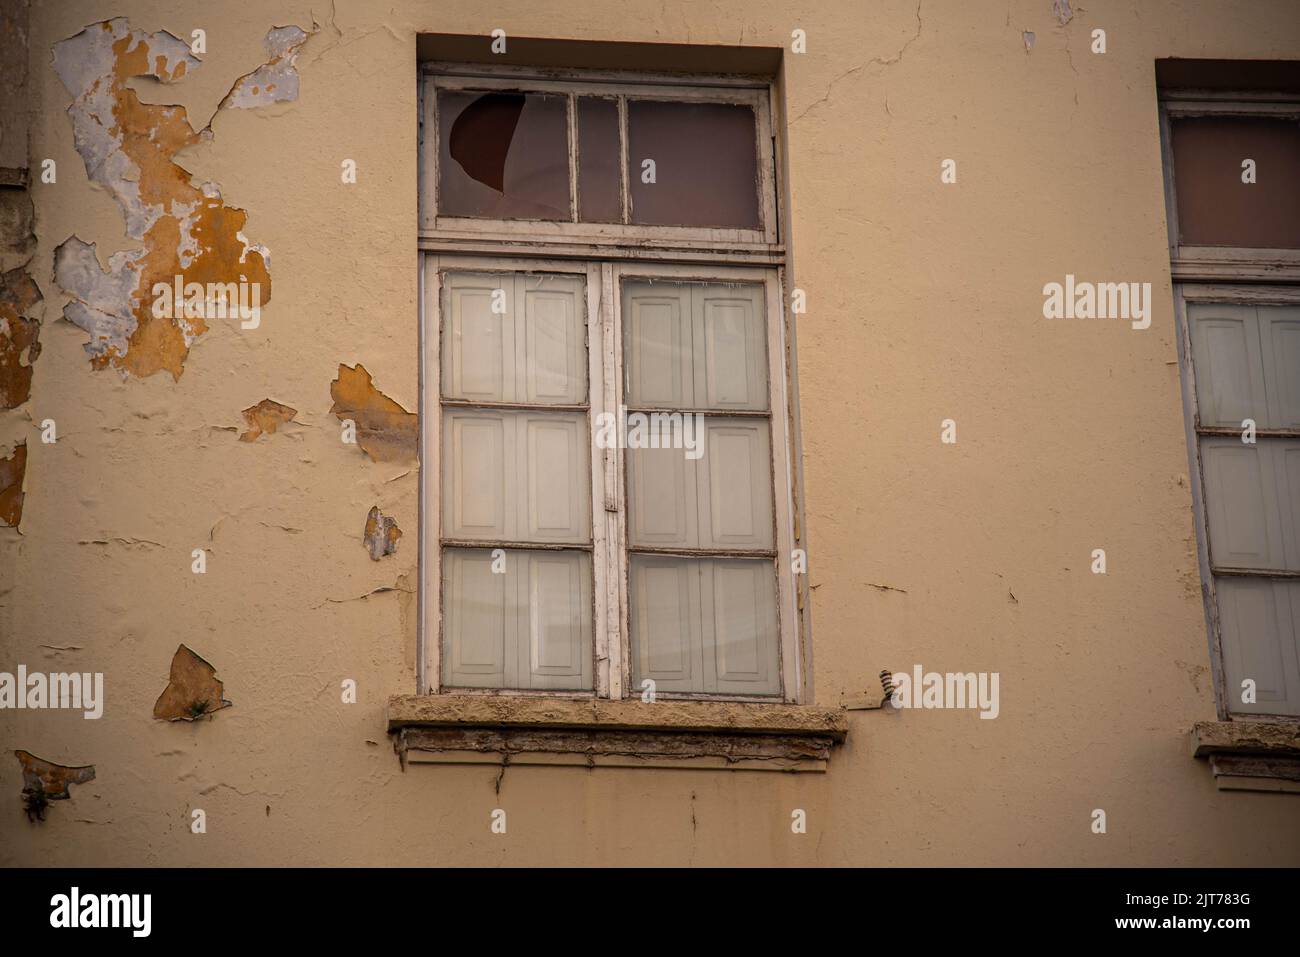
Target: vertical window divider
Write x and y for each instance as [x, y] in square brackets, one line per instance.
[428, 658]
[615, 517]
[623, 160]
[571, 102]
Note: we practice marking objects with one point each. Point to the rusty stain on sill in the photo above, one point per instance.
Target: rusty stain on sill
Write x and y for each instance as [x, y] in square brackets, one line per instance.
[192, 691]
[385, 431]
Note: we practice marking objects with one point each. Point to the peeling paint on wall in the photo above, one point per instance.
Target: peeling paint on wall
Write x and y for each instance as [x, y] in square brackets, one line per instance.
[276, 81]
[45, 781]
[381, 534]
[12, 470]
[264, 418]
[19, 337]
[17, 228]
[385, 431]
[192, 691]
[188, 231]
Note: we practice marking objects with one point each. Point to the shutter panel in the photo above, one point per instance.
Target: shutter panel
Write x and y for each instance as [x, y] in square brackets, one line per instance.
[695, 345]
[478, 345]
[1228, 364]
[533, 352]
[477, 481]
[516, 476]
[736, 484]
[744, 647]
[1242, 504]
[658, 345]
[731, 347]
[1258, 621]
[1280, 336]
[478, 621]
[554, 638]
[554, 455]
[553, 339]
[526, 626]
[705, 625]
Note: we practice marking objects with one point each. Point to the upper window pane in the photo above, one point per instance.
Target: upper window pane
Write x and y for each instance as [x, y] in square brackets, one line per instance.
[705, 164]
[1217, 206]
[503, 155]
[600, 187]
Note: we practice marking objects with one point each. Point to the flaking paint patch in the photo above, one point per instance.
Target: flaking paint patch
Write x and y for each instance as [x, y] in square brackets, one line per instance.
[104, 302]
[50, 778]
[275, 81]
[192, 691]
[12, 471]
[385, 431]
[129, 148]
[20, 342]
[264, 418]
[381, 534]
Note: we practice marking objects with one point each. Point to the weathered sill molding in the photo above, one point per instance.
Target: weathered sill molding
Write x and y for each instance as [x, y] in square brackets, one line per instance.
[1250, 755]
[593, 732]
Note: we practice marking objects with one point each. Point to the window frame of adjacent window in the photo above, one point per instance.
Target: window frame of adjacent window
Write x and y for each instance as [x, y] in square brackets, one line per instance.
[603, 282]
[1222, 275]
[746, 91]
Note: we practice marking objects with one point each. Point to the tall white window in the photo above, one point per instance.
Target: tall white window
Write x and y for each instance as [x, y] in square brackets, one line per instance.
[608, 490]
[1232, 167]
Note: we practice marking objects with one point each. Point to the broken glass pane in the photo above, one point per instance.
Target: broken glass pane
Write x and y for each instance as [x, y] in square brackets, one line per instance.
[600, 187]
[503, 155]
[692, 164]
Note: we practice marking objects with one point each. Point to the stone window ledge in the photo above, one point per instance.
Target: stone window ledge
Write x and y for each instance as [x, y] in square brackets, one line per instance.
[1250, 755]
[596, 732]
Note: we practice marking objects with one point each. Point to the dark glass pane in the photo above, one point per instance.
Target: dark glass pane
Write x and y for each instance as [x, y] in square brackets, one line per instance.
[706, 164]
[1215, 208]
[503, 155]
[600, 188]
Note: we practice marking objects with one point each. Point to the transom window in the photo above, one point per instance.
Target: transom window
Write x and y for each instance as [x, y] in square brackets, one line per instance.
[607, 501]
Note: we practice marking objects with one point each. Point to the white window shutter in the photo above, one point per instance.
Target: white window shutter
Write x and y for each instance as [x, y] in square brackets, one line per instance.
[1228, 365]
[1259, 619]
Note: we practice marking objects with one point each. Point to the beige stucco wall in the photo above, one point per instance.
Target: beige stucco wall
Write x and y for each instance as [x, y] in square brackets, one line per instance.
[924, 304]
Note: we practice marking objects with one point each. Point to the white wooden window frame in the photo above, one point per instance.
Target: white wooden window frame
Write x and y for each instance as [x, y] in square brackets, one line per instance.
[1225, 263]
[609, 548]
[1221, 275]
[439, 232]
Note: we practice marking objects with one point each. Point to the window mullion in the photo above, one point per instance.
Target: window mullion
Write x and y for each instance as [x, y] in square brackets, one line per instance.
[615, 515]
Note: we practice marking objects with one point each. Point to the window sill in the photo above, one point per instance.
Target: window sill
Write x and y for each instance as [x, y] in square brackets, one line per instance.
[1250, 755]
[597, 732]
